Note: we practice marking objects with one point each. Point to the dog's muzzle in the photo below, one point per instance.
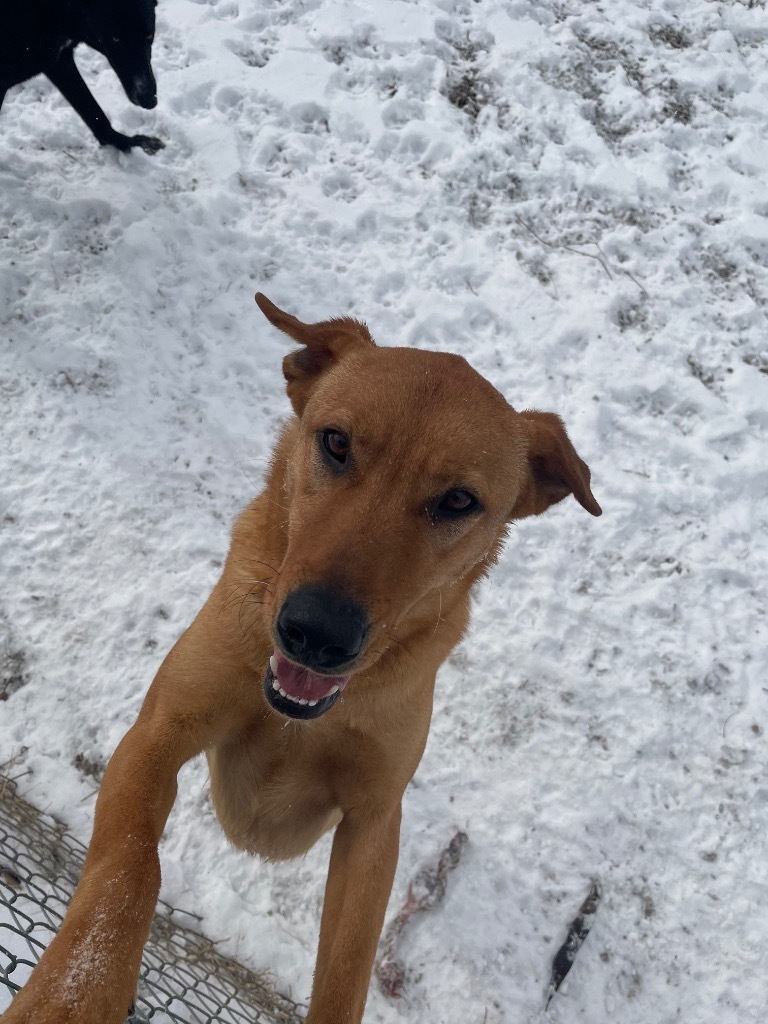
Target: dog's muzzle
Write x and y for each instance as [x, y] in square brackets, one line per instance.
[143, 93]
[320, 635]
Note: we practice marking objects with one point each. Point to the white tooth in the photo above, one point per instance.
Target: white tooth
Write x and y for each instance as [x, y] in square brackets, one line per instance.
[312, 703]
[334, 690]
[294, 699]
[303, 701]
[282, 692]
[275, 685]
[273, 664]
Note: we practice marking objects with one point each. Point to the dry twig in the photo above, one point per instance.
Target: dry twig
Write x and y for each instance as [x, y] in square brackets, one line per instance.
[424, 893]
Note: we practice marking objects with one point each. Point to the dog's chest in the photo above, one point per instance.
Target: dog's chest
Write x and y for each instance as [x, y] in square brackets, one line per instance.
[270, 801]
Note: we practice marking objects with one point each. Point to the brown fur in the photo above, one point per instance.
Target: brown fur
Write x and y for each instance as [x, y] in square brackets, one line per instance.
[421, 424]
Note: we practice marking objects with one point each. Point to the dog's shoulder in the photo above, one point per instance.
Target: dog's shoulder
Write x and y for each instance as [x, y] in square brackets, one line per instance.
[33, 34]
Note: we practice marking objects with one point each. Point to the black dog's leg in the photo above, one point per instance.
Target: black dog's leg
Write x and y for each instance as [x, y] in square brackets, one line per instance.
[69, 82]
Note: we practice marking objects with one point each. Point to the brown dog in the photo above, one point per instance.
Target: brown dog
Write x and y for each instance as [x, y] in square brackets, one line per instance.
[308, 676]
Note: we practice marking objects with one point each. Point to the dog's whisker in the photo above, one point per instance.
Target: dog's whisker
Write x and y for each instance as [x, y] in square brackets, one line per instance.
[277, 528]
[391, 664]
[261, 561]
[235, 590]
[401, 646]
[247, 630]
[388, 660]
[439, 613]
[251, 600]
[242, 606]
[283, 508]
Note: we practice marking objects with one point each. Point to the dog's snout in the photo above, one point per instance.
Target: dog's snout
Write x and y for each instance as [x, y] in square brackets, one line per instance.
[144, 93]
[321, 628]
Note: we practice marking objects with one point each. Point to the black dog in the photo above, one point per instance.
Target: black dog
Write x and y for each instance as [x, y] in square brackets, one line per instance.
[40, 36]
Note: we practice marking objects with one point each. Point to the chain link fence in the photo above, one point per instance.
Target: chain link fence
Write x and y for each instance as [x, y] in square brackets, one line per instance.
[183, 978]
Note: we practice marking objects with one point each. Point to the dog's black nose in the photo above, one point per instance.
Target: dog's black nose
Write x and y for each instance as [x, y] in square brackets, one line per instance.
[321, 628]
[145, 98]
[142, 90]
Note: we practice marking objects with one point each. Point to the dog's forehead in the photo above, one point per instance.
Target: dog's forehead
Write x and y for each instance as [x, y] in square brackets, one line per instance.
[386, 384]
[123, 15]
[429, 411]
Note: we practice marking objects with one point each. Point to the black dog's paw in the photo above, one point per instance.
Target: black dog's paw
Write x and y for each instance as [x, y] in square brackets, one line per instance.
[125, 143]
[147, 142]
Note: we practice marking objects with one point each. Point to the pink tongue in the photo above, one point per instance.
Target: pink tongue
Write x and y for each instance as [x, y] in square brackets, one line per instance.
[302, 682]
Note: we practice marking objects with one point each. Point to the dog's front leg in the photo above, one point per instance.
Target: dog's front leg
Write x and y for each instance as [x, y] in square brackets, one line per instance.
[66, 77]
[362, 867]
[88, 973]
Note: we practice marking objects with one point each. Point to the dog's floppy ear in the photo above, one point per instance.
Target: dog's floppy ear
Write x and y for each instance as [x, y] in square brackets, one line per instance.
[325, 343]
[555, 468]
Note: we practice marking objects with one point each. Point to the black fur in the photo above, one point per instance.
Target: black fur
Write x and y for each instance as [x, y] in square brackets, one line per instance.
[40, 36]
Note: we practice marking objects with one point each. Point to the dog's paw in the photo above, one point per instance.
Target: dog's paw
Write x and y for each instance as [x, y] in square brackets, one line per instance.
[125, 143]
[147, 142]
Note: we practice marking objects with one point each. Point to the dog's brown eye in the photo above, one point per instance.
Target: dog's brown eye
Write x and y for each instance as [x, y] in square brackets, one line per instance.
[336, 445]
[457, 503]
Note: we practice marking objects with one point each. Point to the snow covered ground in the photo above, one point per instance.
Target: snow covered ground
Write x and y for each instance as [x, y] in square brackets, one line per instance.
[574, 196]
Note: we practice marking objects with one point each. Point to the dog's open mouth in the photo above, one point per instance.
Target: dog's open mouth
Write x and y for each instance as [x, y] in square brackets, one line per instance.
[299, 692]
